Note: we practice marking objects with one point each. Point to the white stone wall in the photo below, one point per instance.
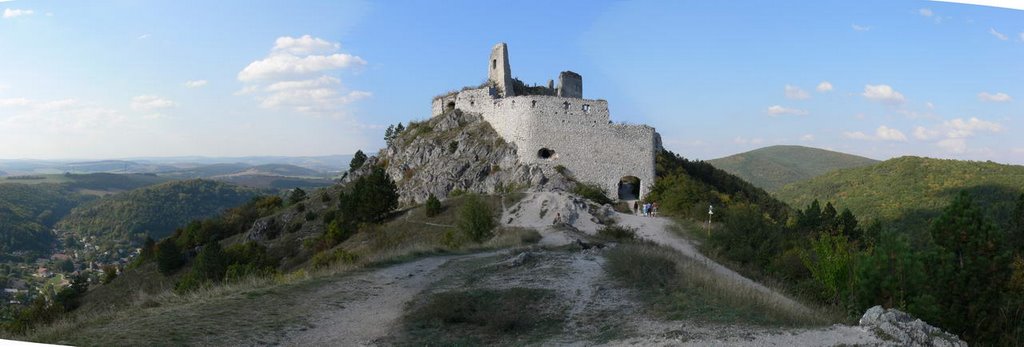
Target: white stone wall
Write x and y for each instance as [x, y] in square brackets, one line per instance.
[579, 132]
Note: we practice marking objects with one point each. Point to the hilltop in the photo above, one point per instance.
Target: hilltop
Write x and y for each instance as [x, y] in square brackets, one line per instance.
[155, 211]
[910, 191]
[773, 167]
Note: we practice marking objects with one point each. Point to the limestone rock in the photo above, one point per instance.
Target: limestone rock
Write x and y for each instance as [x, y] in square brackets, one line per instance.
[892, 324]
[453, 151]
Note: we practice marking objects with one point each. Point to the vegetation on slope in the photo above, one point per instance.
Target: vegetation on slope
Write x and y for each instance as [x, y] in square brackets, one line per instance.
[154, 211]
[908, 192]
[961, 269]
[771, 168]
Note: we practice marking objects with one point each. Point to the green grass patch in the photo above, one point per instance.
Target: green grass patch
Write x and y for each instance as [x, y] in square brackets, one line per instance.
[679, 288]
[483, 317]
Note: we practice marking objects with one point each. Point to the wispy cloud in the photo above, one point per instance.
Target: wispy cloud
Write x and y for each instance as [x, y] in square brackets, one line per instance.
[150, 103]
[952, 134]
[883, 133]
[860, 27]
[143, 36]
[824, 87]
[997, 34]
[195, 84]
[883, 93]
[795, 93]
[997, 97]
[11, 13]
[779, 110]
[925, 12]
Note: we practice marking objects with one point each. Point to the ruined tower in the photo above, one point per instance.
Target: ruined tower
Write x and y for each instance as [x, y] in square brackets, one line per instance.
[570, 85]
[498, 70]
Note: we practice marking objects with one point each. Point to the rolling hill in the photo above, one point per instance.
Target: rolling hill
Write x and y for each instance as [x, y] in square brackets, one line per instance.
[155, 210]
[771, 168]
[910, 191]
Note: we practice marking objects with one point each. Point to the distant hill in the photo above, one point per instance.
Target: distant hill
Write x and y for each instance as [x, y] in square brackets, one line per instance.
[156, 210]
[909, 191]
[770, 168]
[31, 205]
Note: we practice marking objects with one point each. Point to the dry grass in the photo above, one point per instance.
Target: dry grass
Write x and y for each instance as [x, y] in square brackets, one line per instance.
[678, 287]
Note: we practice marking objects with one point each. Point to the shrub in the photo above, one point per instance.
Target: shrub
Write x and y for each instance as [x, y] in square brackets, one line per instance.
[109, 273]
[296, 196]
[300, 207]
[325, 258]
[191, 281]
[310, 215]
[563, 171]
[592, 192]
[453, 146]
[211, 263]
[475, 219]
[168, 256]
[433, 206]
[618, 233]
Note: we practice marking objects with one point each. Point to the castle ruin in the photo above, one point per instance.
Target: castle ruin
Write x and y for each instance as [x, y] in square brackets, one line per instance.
[555, 126]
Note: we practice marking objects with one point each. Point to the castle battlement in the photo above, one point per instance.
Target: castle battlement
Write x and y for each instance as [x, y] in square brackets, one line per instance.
[557, 126]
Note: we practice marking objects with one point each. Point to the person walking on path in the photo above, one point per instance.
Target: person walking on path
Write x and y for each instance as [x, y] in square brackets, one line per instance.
[636, 207]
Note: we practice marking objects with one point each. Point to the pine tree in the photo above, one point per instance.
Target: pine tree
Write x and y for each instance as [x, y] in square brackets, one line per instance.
[357, 161]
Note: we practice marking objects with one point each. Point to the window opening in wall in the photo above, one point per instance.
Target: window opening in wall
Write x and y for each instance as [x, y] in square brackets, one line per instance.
[629, 188]
[545, 153]
[450, 106]
[586, 108]
[494, 64]
[534, 104]
[565, 105]
[472, 103]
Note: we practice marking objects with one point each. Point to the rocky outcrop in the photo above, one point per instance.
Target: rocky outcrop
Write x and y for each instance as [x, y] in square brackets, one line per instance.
[453, 151]
[905, 330]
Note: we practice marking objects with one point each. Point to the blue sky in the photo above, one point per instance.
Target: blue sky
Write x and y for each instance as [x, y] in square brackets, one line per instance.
[116, 79]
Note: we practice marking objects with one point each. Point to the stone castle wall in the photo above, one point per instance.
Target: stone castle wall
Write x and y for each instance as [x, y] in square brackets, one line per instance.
[576, 133]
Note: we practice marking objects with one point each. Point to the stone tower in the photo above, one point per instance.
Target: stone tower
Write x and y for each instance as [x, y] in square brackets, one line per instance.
[570, 85]
[498, 70]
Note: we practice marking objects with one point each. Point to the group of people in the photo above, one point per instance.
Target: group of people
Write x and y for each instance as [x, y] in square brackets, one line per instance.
[648, 209]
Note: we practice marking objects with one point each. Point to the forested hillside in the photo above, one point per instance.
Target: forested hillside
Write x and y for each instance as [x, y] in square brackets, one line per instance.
[910, 191]
[155, 210]
[773, 167]
[28, 211]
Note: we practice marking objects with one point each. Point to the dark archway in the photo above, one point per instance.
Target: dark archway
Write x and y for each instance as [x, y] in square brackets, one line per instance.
[629, 188]
[450, 106]
[545, 153]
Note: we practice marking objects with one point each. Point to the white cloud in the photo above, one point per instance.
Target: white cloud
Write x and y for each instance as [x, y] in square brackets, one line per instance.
[150, 103]
[997, 34]
[195, 84]
[795, 93]
[883, 93]
[295, 75]
[929, 105]
[143, 36]
[997, 97]
[860, 28]
[55, 116]
[889, 134]
[807, 138]
[778, 110]
[295, 57]
[14, 102]
[883, 133]
[745, 141]
[857, 135]
[924, 12]
[959, 128]
[922, 133]
[824, 87]
[9, 13]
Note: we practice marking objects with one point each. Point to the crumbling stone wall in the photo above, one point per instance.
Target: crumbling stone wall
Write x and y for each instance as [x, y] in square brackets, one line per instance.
[571, 132]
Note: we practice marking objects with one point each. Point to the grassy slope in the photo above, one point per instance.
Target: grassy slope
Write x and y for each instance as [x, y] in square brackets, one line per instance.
[771, 168]
[911, 190]
[157, 209]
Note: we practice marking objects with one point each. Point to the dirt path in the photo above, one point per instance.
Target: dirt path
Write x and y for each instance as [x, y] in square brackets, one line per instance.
[363, 308]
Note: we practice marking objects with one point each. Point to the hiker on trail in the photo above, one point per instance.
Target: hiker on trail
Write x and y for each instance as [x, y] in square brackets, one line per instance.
[647, 209]
[558, 218]
[636, 207]
[654, 209]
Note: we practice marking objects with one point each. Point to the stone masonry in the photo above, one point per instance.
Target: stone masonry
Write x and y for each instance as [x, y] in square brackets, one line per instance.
[564, 130]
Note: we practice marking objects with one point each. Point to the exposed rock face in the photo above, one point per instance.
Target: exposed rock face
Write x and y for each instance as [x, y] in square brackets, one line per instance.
[452, 151]
[905, 329]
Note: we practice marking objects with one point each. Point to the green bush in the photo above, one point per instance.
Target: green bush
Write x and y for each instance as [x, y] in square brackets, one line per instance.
[109, 273]
[617, 232]
[325, 258]
[592, 192]
[357, 161]
[296, 196]
[475, 218]
[168, 257]
[433, 206]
